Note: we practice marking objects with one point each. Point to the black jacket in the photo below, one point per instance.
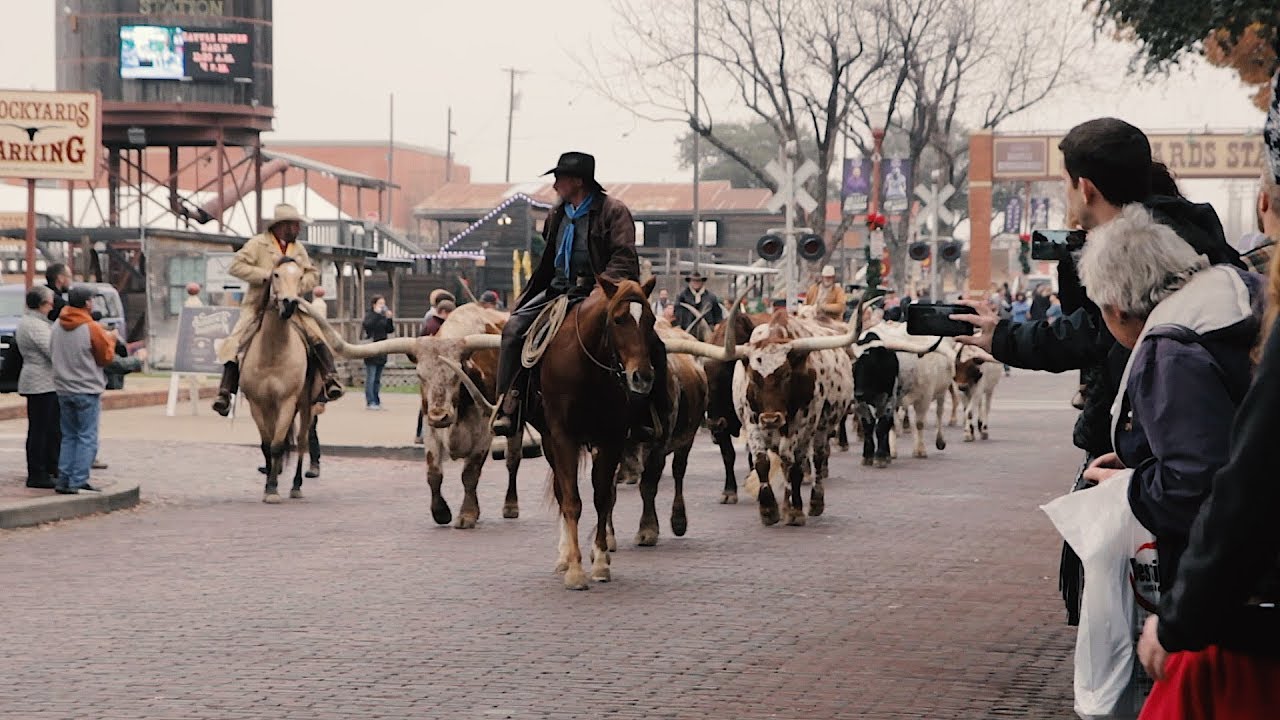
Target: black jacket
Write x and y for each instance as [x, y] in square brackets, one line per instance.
[377, 327]
[1233, 554]
[1080, 340]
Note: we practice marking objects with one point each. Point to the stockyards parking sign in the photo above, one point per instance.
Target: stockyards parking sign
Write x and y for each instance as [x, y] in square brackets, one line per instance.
[49, 135]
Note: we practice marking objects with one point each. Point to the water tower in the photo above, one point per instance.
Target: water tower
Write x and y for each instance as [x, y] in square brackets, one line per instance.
[190, 76]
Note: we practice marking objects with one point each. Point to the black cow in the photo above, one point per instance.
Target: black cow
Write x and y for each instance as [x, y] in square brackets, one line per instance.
[875, 394]
[722, 416]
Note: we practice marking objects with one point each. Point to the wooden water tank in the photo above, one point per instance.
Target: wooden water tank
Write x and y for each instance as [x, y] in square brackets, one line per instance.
[232, 99]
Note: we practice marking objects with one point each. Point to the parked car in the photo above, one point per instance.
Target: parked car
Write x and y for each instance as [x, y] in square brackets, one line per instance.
[12, 304]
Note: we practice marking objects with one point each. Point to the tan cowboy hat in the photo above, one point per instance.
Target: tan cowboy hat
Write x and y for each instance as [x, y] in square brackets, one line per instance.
[287, 213]
[828, 271]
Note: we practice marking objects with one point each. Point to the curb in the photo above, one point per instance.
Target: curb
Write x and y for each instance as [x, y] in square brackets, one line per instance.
[34, 511]
[117, 400]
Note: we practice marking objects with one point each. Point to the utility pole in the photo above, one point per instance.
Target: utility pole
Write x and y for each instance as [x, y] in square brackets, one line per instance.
[511, 111]
[697, 148]
[873, 261]
[391, 155]
[448, 146]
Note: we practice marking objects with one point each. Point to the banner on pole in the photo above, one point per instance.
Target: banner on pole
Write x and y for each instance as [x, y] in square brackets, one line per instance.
[896, 180]
[1013, 216]
[855, 191]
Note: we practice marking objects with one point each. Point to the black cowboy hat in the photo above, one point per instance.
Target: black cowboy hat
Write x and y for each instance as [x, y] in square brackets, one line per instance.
[695, 276]
[579, 165]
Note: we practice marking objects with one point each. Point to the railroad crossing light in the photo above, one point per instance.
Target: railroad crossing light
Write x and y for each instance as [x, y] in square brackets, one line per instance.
[812, 248]
[919, 251]
[770, 247]
[950, 251]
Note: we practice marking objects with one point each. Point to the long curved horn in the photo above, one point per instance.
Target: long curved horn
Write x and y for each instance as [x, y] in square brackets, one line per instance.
[470, 385]
[897, 344]
[729, 353]
[481, 341]
[351, 350]
[404, 345]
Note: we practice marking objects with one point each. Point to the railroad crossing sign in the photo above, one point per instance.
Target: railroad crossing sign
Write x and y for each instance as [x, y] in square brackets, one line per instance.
[934, 203]
[791, 185]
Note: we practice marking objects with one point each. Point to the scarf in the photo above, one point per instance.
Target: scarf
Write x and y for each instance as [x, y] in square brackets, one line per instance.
[564, 253]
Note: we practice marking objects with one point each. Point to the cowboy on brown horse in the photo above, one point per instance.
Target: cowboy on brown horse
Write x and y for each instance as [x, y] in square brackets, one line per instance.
[254, 263]
[588, 235]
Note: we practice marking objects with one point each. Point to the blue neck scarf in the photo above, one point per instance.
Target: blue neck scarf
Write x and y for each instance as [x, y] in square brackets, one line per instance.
[564, 253]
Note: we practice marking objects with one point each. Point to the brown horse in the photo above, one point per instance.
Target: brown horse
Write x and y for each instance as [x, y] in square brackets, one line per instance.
[597, 362]
[276, 380]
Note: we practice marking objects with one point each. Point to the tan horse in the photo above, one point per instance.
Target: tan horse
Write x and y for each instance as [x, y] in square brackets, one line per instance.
[275, 378]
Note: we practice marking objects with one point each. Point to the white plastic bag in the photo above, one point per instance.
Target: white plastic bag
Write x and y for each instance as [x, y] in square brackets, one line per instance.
[1118, 555]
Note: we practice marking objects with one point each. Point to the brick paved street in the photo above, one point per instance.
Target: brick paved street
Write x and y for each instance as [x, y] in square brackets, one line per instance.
[927, 590]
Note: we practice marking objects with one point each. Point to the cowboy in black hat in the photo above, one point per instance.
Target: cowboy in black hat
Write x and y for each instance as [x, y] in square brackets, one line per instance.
[588, 234]
[697, 308]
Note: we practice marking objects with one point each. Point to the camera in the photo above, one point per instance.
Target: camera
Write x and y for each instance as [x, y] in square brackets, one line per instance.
[1054, 244]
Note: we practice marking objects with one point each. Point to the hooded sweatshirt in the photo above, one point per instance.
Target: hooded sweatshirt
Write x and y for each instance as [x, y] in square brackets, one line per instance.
[81, 348]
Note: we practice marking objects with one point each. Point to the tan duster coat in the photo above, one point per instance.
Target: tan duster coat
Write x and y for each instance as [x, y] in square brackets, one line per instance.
[830, 301]
[253, 264]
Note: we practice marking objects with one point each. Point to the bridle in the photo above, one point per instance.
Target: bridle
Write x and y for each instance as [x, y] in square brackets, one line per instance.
[616, 370]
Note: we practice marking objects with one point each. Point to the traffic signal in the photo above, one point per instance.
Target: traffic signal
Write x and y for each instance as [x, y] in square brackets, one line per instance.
[770, 247]
[812, 247]
[919, 251]
[950, 251]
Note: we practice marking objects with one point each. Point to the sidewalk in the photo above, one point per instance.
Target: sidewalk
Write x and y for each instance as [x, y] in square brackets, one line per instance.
[138, 391]
[345, 429]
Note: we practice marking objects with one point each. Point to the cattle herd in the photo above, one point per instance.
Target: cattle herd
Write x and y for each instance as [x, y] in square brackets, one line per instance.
[784, 384]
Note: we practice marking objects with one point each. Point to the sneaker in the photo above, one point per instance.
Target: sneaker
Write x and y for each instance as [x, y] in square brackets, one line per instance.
[98, 465]
[66, 490]
[42, 484]
[88, 488]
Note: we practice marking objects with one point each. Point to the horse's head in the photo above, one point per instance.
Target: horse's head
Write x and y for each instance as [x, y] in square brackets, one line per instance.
[629, 326]
[286, 279]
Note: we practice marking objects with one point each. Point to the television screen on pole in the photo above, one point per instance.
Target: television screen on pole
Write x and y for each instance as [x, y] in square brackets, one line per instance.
[152, 52]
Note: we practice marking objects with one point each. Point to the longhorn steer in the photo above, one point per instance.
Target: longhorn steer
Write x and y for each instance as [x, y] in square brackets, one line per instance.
[687, 393]
[924, 378]
[796, 385]
[722, 415]
[875, 394]
[976, 379]
[462, 355]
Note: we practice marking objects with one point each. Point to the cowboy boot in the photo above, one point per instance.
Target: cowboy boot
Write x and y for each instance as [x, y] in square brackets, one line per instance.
[504, 423]
[328, 371]
[226, 388]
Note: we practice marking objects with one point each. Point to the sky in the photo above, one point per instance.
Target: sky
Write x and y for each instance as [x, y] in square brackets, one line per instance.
[337, 62]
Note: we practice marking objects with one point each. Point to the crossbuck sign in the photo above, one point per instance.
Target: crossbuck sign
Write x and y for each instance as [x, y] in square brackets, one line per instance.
[790, 193]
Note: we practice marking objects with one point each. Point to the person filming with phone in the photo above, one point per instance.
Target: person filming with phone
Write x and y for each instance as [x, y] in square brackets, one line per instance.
[1107, 166]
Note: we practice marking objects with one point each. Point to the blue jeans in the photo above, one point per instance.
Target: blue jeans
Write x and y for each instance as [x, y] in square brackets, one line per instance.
[373, 385]
[79, 438]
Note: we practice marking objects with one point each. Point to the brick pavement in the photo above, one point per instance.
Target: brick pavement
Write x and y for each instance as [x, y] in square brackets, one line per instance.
[926, 591]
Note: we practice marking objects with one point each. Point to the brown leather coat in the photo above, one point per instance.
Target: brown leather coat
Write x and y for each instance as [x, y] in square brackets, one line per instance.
[611, 240]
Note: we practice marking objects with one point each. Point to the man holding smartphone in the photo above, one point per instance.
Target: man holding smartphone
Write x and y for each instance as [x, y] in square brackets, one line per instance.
[1107, 165]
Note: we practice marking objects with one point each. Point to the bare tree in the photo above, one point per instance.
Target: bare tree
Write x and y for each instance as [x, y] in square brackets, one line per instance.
[924, 70]
[963, 65]
[798, 65]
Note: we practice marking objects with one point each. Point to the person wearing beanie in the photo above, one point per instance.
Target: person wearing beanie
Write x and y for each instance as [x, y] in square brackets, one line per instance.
[80, 349]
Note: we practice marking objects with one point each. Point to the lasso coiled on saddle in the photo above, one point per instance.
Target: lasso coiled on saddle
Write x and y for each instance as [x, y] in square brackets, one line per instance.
[543, 330]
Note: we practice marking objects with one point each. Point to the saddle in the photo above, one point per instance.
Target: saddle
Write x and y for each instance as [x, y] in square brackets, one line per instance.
[538, 338]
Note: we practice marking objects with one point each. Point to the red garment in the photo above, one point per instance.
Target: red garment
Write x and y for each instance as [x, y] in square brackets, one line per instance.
[1216, 683]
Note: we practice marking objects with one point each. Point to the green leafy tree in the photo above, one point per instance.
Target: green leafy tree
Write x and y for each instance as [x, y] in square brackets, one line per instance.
[1240, 34]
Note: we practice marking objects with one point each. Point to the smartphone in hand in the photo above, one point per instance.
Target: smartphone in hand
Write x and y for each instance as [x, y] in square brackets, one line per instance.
[925, 319]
